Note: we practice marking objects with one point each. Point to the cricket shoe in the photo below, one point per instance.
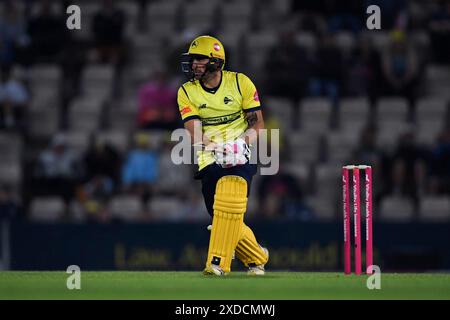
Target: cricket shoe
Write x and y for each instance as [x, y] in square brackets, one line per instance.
[258, 270]
[213, 270]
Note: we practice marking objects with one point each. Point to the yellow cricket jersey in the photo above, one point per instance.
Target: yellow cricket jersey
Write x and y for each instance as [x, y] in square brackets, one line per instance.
[221, 112]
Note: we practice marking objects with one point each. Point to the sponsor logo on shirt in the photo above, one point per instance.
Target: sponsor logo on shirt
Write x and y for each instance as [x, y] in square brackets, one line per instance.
[255, 96]
[185, 110]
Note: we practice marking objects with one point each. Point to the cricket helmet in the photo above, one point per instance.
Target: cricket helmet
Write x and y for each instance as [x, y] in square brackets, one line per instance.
[204, 47]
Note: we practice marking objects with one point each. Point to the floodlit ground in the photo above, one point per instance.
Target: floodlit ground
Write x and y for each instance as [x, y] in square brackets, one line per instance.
[193, 285]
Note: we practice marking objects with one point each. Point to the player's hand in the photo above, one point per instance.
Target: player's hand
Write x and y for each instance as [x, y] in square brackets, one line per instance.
[232, 153]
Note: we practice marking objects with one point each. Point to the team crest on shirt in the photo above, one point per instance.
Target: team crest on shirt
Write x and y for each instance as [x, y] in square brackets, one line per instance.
[227, 100]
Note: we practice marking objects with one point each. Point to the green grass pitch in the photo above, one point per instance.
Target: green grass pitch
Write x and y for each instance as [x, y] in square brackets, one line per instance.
[193, 285]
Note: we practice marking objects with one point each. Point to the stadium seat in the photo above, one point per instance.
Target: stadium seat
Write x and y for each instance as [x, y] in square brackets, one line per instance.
[304, 147]
[85, 121]
[323, 208]
[345, 41]
[389, 132]
[431, 109]
[340, 146]
[380, 39]
[282, 109]
[431, 113]
[353, 114]
[11, 173]
[11, 146]
[428, 131]
[257, 48]
[97, 80]
[199, 15]
[306, 40]
[396, 209]
[315, 114]
[86, 104]
[176, 178]
[164, 208]
[77, 140]
[435, 209]
[437, 79]
[43, 123]
[236, 17]
[327, 179]
[301, 171]
[47, 209]
[147, 53]
[126, 208]
[45, 75]
[77, 213]
[43, 97]
[390, 109]
[122, 119]
[161, 16]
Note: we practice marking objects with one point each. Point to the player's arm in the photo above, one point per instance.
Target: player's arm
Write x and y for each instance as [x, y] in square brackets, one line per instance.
[252, 108]
[194, 127]
[255, 123]
[191, 119]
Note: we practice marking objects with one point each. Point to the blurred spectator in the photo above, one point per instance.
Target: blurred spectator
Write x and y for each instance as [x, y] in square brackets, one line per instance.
[57, 171]
[280, 195]
[14, 100]
[158, 104]
[364, 71]
[94, 196]
[176, 178]
[102, 159]
[13, 37]
[407, 168]
[108, 26]
[193, 209]
[345, 15]
[48, 33]
[9, 206]
[328, 74]
[439, 31]
[392, 12]
[287, 69]
[73, 60]
[140, 171]
[367, 150]
[400, 65]
[440, 164]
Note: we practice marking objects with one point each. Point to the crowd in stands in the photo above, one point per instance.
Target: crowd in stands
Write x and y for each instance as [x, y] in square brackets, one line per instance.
[86, 115]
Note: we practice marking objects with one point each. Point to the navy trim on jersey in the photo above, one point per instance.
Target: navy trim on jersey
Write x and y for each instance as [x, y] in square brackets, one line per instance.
[252, 109]
[190, 118]
[215, 89]
[182, 87]
[237, 82]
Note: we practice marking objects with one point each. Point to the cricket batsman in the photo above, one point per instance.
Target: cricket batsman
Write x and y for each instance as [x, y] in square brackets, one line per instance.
[222, 112]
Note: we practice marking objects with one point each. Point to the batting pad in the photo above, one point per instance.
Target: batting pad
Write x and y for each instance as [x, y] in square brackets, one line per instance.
[230, 204]
[248, 250]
